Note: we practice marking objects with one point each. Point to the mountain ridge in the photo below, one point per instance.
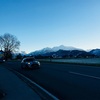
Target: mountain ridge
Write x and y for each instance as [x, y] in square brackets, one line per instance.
[53, 49]
[65, 51]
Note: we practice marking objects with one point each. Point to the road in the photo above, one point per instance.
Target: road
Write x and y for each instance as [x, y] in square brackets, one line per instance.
[65, 81]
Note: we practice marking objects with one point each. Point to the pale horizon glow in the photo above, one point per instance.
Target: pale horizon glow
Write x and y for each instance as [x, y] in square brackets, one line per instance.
[47, 23]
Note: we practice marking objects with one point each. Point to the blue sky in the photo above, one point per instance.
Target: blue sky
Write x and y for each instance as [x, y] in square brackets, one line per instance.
[48, 23]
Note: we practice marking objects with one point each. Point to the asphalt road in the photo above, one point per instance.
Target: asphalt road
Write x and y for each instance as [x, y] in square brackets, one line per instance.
[65, 81]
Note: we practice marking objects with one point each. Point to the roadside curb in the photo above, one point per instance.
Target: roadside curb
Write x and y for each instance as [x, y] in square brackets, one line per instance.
[44, 94]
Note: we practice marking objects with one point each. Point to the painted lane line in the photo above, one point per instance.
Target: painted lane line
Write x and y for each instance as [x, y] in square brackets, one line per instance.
[84, 75]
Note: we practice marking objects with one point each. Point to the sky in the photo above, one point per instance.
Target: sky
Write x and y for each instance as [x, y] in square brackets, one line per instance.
[47, 23]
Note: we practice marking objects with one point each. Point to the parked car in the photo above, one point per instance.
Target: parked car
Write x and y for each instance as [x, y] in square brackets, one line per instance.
[30, 62]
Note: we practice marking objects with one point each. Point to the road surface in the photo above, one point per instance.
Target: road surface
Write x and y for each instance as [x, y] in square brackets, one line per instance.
[65, 81]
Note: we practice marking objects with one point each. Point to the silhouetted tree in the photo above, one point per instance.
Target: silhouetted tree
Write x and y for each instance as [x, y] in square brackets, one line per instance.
[9, 43]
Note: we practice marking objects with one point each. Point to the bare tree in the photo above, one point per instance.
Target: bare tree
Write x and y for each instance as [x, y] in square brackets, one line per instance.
[9, 43]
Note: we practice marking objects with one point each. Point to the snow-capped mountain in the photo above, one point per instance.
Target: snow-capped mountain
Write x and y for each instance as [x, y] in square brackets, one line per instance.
[42, 51]
[54, 49]
[62, 47]
[65, 51]
[95, 52]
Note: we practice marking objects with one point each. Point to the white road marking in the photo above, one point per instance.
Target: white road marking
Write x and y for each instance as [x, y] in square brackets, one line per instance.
[84, 75]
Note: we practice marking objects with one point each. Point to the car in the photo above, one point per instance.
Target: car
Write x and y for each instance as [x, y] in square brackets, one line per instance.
[30, 63]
